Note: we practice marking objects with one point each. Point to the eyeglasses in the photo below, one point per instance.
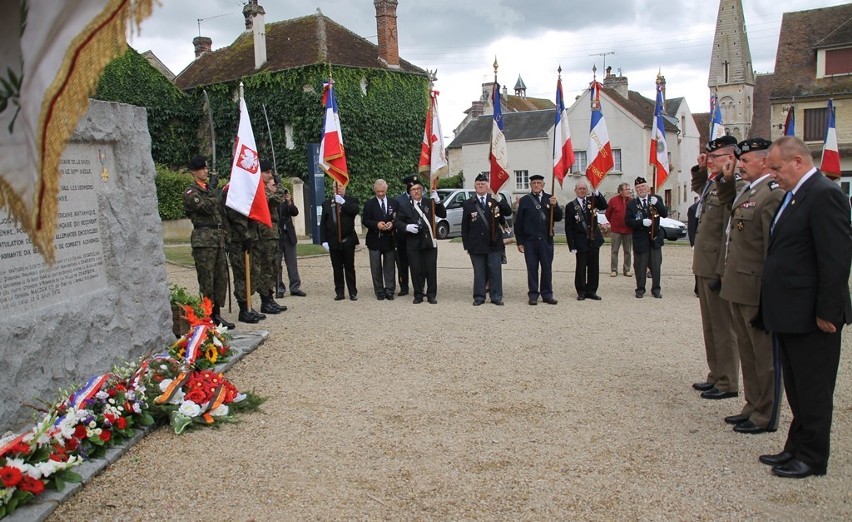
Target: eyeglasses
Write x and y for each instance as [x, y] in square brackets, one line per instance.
[714, 156]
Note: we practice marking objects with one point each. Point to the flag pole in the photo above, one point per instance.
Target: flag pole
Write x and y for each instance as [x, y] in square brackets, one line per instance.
[433, 184]
[592, 217]
[553, 154]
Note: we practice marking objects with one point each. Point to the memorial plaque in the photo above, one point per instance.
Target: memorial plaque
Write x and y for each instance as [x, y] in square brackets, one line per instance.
[27, 282]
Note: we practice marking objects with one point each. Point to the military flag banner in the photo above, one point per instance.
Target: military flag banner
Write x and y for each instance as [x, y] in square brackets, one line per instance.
[563, 149]
[332, 154]
[717, 129]
[830, 152]
[497, 153]
[246, 192]
[659, 151]
[433, 159]
[790, 122]
[600, 149]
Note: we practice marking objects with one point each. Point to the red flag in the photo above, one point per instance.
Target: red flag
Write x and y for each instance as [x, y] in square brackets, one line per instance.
[830, 153]
[432, 156]
[246, 193]
[332, 154]
[497, 154]
[563, 149]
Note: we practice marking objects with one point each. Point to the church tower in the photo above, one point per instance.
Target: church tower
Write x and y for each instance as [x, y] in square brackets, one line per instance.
[731, 70]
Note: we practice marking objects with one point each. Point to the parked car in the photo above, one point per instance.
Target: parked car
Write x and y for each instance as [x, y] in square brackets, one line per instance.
[452, 200]
[673, 228]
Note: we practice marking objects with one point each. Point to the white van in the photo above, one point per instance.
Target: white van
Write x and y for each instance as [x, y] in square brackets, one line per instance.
[452, 200]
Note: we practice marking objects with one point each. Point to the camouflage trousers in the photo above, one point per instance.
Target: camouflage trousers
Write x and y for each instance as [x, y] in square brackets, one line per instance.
[212, 269]
[267, 261]
[238, 266]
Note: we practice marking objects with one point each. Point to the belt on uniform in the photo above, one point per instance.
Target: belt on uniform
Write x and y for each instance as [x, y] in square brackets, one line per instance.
[212, 227]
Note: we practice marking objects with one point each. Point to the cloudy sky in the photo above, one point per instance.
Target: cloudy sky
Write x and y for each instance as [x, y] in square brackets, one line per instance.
[460, 38]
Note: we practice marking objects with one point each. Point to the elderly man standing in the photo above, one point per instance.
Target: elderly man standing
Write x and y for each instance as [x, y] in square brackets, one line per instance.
[585, 239]
[714, 206]
[483, 217]
[747, 239]
[805, 301]
[378, 216]
[338, 237]
[620, 234]
[535, 239]
[643, 217]
[415, 219]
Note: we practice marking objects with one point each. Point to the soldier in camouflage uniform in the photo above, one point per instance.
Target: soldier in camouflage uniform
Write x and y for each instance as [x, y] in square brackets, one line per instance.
[244, 237]
[267, 246]
[209, 238]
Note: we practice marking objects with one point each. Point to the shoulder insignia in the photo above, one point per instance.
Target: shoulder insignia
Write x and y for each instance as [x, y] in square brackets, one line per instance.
[773, 184]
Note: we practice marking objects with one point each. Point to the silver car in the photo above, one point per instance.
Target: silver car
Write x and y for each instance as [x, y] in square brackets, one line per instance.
[452, 199]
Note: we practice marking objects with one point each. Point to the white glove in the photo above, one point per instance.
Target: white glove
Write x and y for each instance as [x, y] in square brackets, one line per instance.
[412, 229]
[498, 197]
[325, 246]
[653, 200]
[574, 251]
[435, 197]
[339, 199]
[646, 222]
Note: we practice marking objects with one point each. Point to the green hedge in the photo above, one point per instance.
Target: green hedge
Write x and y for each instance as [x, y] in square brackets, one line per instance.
[170, 187]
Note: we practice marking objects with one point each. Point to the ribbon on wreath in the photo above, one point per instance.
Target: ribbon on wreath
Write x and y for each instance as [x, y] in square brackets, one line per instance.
[217, 400]
[193, 345]
[89, 390]
[176, 384]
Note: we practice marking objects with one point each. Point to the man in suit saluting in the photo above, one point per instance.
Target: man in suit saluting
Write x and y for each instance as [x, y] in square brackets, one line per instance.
[805, 301]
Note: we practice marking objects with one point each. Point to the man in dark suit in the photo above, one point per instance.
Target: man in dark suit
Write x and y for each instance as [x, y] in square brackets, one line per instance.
[402, 270]
[338, 237]
[581, 221]
[415, 218]
[805, 301]
[643, 216]
[287, 245]
[535, 239]
[378, 217]
[483, 218]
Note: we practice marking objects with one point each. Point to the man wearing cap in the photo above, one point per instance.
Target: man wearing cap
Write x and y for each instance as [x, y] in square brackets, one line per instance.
[402, 270]
[483, 218]
[209, 238]
[805, 301]
[708, 260]
[747, 238]
[534, 237]
[585, 239]
[267, 244]
[378, 216]
[643, 215]
[338, 237]
[415, 219]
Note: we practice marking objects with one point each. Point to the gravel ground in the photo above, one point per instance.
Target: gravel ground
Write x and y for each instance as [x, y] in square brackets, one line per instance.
[386, 410]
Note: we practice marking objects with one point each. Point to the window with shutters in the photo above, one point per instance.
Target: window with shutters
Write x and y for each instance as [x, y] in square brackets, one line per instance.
[815, 122]
[522, 180]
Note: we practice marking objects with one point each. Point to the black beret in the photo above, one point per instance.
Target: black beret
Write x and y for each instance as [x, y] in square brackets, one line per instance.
[197, 163]
[536, 177]
[718, 143]
[481, 177]
[639, 181]
[410, 181]
[751, 145]
[265, 165]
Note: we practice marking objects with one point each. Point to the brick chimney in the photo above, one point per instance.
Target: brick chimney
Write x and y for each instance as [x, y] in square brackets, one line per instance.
[202, 45]
[256, 23]
[388, 37]
[618, 83]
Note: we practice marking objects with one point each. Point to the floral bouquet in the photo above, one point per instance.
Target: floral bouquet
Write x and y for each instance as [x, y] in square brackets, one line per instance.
[208, 342]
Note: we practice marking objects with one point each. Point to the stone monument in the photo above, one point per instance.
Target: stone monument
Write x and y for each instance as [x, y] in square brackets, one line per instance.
[105, 300]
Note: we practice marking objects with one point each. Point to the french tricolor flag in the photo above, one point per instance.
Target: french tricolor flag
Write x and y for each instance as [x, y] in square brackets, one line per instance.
[246, 192]
[498, 156]
[563, 149]
[830, 153]
[332, 155]
[600, 149]
[659, 150]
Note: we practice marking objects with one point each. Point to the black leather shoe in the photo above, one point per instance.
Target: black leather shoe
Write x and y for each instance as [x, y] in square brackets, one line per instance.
[353, 297]
[549, 300]
[593, 297]
[703, 386]
[477, 303]
[260, 316]
[639, 294]
[736, 419]
[747, 426]
[298, 293]
[380, 297]
[418, 300]
[279, 294]
[795, 468]
[433, 301]
[657, 295]
[498, 303]
[533, 302]
[776, 459]
[338, 298]
[403, 292]
[247, 317]
[714, 393]
[269, 308]
[389, 296]
[581, 298]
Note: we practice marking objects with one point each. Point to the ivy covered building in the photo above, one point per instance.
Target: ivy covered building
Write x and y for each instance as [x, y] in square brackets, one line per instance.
[382, 99]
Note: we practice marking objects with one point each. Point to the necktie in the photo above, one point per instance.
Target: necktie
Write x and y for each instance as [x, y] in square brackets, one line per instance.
[482, 201]
[382, 203]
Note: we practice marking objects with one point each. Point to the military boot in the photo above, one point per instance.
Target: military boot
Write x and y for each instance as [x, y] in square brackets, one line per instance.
[281, 307]
[268, 305]
[217, 318]
[246, 316]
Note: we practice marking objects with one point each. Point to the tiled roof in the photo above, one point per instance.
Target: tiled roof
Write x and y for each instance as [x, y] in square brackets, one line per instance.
[802, 32]
[641, 107]
[160, 66]
[520, 103]
[761, 117]
[516, 126]
[289, 44]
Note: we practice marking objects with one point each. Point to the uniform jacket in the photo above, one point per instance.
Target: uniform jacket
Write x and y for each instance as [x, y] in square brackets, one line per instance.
[708, 255]
[641, 234]
[747, 241]
[241, 227]
[328, 223]
[407, 215]
[202, 206]
[578, 219]
[806, 272]
[616, 211]
[372, 216]
[532, 219]
[285, 219]
[481, 236]
[274, 200]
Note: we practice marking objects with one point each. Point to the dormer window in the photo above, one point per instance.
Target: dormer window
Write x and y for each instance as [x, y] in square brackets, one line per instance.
[834, 62]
